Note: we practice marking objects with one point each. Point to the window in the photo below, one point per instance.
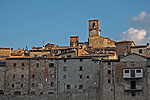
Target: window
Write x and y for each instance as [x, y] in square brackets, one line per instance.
[21, 85]
[80, 68]
[133, 93]
[123, 63]
[22, 64]
[64, 76]
[37, 65]
[52, 84]
[109, 71]
[80, 76]
[64, 68]
[127, 47]
[64, 60]
[93, 25]
[81, 60]
[51, 65]
[68, 86]
[53, 76]
[126, 71]
[133, 84]
[35, 55]
[80, 86]
[68, 56]
[15, 64]
[132, 63]
[138, 71]
[13, 85]
[117, 79]
[140, 50]
[33, 84]
[41, 93]
[14, 76]
[109, 63]
[22, 76]
[87, 77]
[132, 73]
[33, 76]
[108, 80]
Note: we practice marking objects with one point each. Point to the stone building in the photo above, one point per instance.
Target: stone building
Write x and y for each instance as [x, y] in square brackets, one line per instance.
[124, 79]
[5, 52]
[95, 40]
[42, 76]
[17, 76]
[141, 50]
[30, 76]
[78, 75]
[2, 75]
[123, 48]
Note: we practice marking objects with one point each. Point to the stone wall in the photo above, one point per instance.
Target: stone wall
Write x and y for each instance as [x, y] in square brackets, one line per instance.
[77, 96]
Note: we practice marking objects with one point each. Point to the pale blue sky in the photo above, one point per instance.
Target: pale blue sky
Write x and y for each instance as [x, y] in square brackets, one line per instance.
[29, 22]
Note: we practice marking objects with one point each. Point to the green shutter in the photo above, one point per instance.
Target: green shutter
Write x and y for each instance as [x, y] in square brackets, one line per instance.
[37, 65]
[51, 65]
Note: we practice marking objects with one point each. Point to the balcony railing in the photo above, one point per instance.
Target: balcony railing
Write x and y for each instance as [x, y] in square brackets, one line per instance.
[138, 88]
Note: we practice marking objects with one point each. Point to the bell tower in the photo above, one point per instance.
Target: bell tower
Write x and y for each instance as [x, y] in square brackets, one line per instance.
[94, 28]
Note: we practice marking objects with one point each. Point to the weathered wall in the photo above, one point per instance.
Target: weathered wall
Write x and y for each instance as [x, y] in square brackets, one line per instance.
[78, 96]
[77, 72]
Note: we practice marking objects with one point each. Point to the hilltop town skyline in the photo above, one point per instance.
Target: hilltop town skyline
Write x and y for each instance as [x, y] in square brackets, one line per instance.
[29, 23]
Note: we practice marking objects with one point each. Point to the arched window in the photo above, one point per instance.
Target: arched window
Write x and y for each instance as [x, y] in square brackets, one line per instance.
[93, 25]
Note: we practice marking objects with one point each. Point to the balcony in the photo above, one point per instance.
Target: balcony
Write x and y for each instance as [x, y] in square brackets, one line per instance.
[137, 88]
[132, 73]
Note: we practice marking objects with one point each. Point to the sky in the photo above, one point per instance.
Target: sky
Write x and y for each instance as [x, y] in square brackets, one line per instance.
[37, 22]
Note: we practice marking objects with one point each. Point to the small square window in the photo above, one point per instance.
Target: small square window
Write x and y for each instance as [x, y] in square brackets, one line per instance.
[22, 64]
[33, 84]
[109, 81]
[37, 65]
[51, 65]
[140, 50]
[132, 63]
[13, 85]
[138, 71]
[123, 63]
[117, 79]
[41, 93]
[52, 84]
[64, 68]
[14, 76]
[22, 76]
[64, 76]
[81, 60]
[127, 47]
[133, 93]
[80, 68]
[87, 77]
[15, 64]
[80, 86]
[80, 76]
[35, 55]
[109, 63]
[53, 76]
[126, 71]
[109, 71]
[21, 85]
[33, 76]
[68, 86]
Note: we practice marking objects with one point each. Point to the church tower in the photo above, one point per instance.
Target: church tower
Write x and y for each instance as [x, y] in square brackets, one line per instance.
[94, 28]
